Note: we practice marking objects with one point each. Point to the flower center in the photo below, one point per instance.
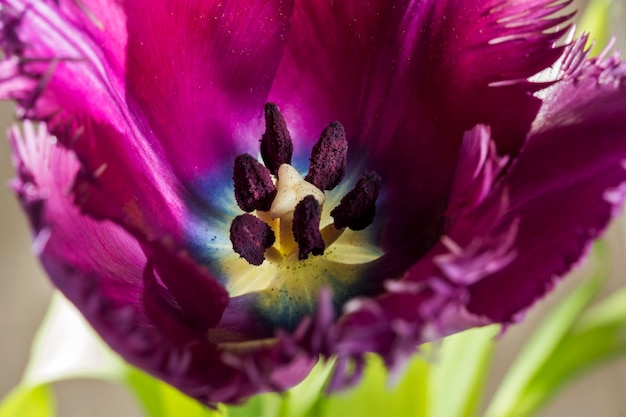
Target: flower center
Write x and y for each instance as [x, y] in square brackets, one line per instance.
[299, 233]
[289, 206]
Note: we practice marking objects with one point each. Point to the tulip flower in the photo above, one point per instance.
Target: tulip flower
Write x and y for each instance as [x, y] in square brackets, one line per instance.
[230, 190]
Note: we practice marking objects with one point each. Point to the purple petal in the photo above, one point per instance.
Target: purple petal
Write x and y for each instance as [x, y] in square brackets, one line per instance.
[430, 300]
[73, 77]
[407, 79]
[211, 64]
[508, 237]
[139, 304]
[84, 71]
[97, 265]
[568, 182]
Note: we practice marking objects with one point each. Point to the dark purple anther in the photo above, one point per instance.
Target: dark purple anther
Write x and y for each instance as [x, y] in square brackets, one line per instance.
[251, 237]
[306, 228]
[358, 208]
[254, 189]
[329, 158]
[276, 145]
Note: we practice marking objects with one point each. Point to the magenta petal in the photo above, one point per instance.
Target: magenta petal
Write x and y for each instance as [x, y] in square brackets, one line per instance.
[211, 64]
[102, 270]
[430, 299]
[72, 72]
[476, 171]
[568, 182]
[199, 294]
[97, 265]
[118, 185]
[407, 79]
[508, 237]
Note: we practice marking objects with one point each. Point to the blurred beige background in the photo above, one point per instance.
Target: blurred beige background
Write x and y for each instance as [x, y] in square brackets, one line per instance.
[25, 293]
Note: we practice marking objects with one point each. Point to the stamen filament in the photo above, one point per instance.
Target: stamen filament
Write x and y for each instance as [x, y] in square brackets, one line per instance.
[273, 255]
[330, 234]
[267, 218]
[286, 240]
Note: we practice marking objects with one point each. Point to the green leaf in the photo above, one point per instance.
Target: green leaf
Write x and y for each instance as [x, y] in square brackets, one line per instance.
[65, 347]
[458, 378]
[610, 311]
[412, 392]
[301, 399]
[264, 405]
[596, 20]
[374, 397]
[538, 351]
[599, 336]
[29, 401]
[162, 400]
[445, 379]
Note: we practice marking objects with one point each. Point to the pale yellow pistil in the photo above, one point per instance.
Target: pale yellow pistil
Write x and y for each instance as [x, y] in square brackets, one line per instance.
[291, 188]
